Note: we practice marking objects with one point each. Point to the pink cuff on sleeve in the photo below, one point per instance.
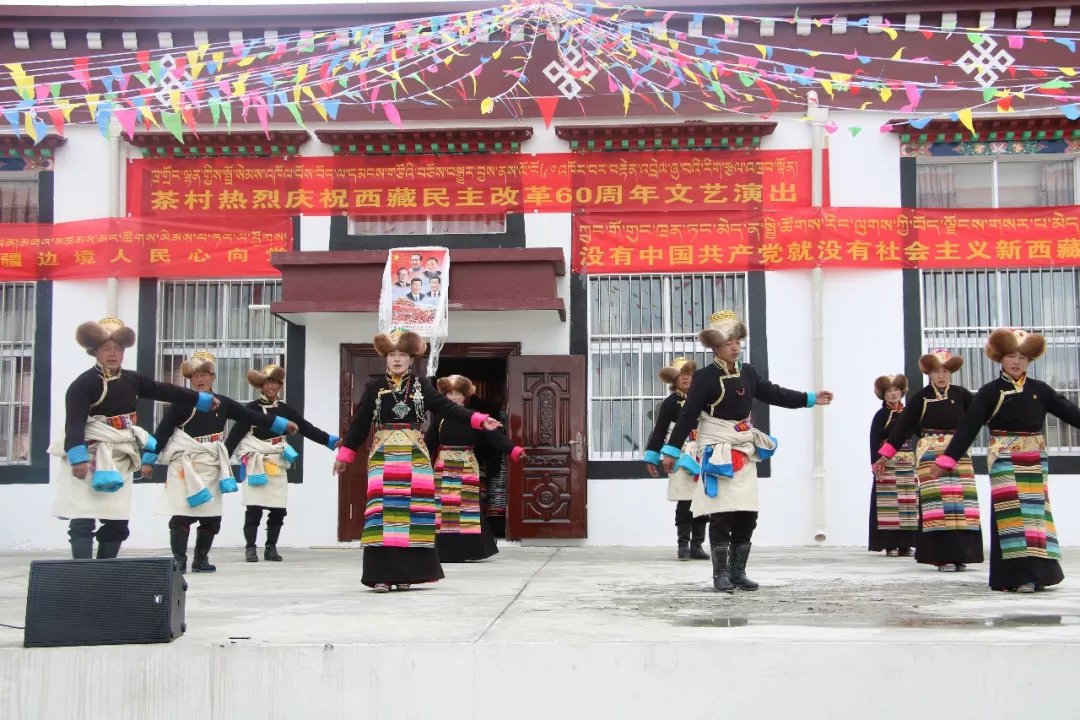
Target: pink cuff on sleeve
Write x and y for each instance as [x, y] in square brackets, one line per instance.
[516, 453]
[345, 455]
[477, 420]
[887, 451]
[946, 462]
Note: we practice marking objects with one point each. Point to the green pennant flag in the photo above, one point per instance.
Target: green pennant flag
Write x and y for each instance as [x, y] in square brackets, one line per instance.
[226, 107]
[174, 124]
[215, 112]
[295, 112]
[988, 94]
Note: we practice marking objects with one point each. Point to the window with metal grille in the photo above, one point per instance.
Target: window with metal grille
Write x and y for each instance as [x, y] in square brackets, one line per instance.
[17, 321]
[961, 307]
[637, 324]
[230, 319]
[1009, 181]
[375, 225]
[18, 197]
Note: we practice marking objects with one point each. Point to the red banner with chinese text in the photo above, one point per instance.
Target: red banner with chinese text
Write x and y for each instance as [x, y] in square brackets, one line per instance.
[830, 237]
[132, 247]
[470, 184]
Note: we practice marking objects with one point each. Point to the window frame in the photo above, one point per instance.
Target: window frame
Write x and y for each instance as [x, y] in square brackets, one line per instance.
[27, 345]
[995, 162]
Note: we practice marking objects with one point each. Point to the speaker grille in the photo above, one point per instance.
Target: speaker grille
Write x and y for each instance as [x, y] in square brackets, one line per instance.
[104, 602]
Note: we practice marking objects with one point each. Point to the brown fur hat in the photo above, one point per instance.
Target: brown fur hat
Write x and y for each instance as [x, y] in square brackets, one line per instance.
[90, 335]
[406, 341]
[679, 366]
[200, 361]
[1009, 340]
[724, 325]
[258, 378]
[940, 358]
[885, 382]
[456, 383]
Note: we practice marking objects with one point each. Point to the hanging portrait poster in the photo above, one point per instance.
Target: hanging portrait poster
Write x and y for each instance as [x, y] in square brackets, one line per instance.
[416, 282]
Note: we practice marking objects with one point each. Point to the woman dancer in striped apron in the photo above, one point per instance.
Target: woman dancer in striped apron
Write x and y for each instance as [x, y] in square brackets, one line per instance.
[102, 444]
[399, 521]
[728, 445]
[950, 534]
[690, 531]
[894, 495]
[1024, 550]
[462, 532]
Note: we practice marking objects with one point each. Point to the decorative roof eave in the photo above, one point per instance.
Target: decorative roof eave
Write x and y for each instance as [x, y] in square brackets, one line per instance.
[24, 147]
[221, 144]
[676, 136]
[425, 142]
[1040, 127]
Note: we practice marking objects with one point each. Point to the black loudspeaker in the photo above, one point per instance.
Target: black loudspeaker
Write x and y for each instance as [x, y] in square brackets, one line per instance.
[104, 602]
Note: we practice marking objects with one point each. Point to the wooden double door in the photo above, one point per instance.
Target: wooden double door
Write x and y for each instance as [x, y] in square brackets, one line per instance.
[545, 398]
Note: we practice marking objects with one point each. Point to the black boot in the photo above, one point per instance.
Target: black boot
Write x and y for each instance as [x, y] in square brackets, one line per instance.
[272, 533]
[721, 578]
[739, 555]
[178, 540]
[250, 534]
[108, 550]
[203, 542]
[82, 548]
[697, 552]
[682, 531]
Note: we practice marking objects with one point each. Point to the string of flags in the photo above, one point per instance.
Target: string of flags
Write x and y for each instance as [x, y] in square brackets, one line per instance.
[501, 58]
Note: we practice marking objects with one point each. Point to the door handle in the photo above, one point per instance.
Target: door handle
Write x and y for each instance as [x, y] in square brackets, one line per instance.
[577, 447]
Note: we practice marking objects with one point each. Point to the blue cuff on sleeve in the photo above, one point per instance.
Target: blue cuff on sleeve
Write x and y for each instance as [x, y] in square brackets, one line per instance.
[204, 403]
[332, 442]
[151, 444]
[280, 425]
[811, 399]
[670, 451]
[78, 454]
[651, 457]
[149, 458]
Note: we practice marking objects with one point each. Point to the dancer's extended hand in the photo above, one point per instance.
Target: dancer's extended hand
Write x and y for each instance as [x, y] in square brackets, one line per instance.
[215, 403]
[879, 466]
[935, 471]
[668, 463]
[291, 429]
[652, 470]
[492, 424]
[148, 472]
[339, 443]
[825, 397]
[339, 467]
[79, 470]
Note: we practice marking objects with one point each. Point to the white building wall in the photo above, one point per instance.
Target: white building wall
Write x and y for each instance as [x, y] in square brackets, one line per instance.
[864, 338]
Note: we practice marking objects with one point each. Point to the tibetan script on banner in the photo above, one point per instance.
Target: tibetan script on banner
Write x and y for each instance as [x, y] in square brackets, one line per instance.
[130, 247]
[832, 237]
[470, 184]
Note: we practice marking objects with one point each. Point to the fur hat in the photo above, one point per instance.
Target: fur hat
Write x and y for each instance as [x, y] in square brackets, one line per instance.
[1009, 340]
[456, 383]
[887, 382]
[200, 361]
[679, 366]
[724, 325]
[91, 335]
[940, 358]
[404, 340]
[258, 378]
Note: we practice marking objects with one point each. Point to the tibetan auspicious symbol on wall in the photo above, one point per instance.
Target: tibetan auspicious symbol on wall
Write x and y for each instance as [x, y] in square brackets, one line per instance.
[132, 247]
[833, 237]
[470, 184]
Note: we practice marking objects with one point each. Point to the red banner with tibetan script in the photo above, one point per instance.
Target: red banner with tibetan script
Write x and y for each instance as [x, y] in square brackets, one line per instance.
[470, 184]
[131, 247]
[830, 237]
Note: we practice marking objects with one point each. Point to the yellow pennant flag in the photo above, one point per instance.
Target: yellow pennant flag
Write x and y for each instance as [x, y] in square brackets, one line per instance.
[487, 106]
[625, 99]
[28, 125]
[885, 93]
[965, 119]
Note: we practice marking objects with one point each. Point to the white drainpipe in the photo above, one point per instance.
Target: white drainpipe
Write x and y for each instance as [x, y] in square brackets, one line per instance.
[818, 116]
[116, 178]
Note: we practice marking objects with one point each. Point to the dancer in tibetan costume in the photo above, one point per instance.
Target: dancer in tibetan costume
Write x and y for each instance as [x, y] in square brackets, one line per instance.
[728, 446]
[103, 445]
[462, 533]
[950, 533]
[894, 494]
[1024, 550]
[399, 522]
[265, 457]
[199, 472]
[690, 531]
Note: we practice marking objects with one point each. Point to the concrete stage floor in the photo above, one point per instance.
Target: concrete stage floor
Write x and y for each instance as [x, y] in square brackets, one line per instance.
[579, 632]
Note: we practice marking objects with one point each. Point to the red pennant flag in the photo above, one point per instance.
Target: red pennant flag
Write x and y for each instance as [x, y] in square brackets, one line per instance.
[547, 105]
[81, 71]
[143, 56]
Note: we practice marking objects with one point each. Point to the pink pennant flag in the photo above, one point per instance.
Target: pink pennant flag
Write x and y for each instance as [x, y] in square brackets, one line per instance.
[391, 114]
[263, 114]
[41, 91]
[1016, 42]
[127, 117]
[81, 71]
